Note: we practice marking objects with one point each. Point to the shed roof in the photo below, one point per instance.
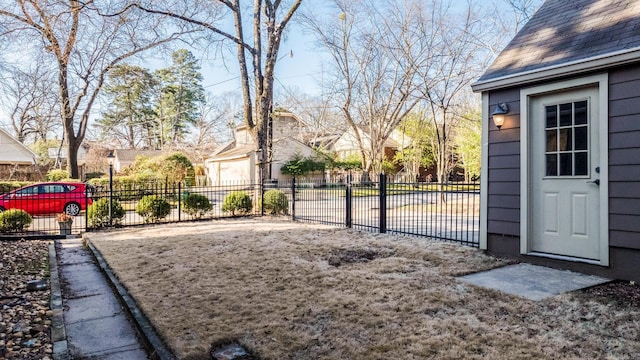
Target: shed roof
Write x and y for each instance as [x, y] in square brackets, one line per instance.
[563, 32]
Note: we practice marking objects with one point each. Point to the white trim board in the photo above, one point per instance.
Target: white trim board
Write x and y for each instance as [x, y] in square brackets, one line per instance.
[602, 81]
[484, 171]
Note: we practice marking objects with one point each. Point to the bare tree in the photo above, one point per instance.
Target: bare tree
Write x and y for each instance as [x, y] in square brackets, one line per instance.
[257, 54]
[209, 126]
[84, 45]
[503, 19]
[460, 61]
[29, 103]
[377, 51]
[323, 122]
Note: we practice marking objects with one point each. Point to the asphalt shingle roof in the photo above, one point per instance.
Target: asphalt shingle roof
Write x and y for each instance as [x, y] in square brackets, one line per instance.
[563, 31]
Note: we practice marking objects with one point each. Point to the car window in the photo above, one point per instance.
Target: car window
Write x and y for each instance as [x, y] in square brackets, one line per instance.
[32, 190]
[53, 188]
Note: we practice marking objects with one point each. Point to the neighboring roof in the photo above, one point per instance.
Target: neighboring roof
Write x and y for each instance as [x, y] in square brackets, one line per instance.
[222, 148]
[364, 131]
[568, 37]
[13, 151]
[283, 114]
[130, 154]
[234, 153]
[324, 141]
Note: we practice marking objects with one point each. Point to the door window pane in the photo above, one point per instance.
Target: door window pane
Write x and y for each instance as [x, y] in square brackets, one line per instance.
[566, 140]
[566, 114]
[552, 140]
[551, 116]
[552, 165]
[566, 164]
[581, 138]
[581, 163]
[580, 115]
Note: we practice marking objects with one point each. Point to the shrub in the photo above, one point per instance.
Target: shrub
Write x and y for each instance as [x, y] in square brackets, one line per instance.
[14, 220]
[299, 165]
[275, 202]
[93, 175]
[153, 208]
[237, 201]
[98, 213]
[6, 186]
[57, 175]
[196, 205]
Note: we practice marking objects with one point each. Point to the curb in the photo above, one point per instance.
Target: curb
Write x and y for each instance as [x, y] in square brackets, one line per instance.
[156, 348]
[58, 331]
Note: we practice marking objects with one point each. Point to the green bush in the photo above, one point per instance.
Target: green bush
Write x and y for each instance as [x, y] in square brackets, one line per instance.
[153, 208]
[196, 205]
[14, 220]
[98, 213]
[6, 186]
[299, 165]
[133, 187]
[237, 201]
[275, 202]
[93, 175]
[57, 175]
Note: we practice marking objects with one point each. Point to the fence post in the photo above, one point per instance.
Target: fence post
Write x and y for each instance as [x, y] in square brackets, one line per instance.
[383, 203]
[293, 199]
[262, 190]
[86, 208]
[348, 204]
[179, 200]
[110, 194]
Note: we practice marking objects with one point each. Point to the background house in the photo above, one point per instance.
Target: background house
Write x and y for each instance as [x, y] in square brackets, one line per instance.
[126, 157]
[346, 146]
[238, 160]
[60, 153]
[17, 161]
[561, 178]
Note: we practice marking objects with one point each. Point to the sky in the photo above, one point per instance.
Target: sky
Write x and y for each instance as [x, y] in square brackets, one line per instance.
[302, 70]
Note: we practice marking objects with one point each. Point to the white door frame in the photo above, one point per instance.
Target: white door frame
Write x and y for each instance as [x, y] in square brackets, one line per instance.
[602, 120]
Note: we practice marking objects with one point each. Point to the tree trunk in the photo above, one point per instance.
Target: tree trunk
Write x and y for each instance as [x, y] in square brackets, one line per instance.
[72, 149]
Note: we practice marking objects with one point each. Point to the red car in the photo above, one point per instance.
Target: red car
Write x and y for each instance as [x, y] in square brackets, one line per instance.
[47, 198]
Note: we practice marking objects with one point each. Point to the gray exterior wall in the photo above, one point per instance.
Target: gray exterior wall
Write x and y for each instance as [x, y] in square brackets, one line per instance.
[503, 213]
[624, 158]
[503, 200]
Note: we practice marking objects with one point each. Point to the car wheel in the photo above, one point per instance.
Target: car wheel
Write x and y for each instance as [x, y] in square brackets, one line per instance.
[1, 209]
[72, 209]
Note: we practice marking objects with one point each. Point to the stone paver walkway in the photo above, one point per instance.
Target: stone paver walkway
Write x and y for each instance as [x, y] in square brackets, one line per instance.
[532, 282]
[96, 324]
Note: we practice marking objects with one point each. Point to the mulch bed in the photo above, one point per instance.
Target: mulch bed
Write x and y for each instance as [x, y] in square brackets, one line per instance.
[621, 293]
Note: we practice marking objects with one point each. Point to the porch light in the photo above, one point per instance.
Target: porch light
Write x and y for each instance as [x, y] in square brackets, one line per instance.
[498, 114]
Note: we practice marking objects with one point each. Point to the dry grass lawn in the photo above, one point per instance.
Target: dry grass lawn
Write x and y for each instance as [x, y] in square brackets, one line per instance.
[297, 291]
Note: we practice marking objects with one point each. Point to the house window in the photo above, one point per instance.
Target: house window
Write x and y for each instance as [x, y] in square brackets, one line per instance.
[567, 139]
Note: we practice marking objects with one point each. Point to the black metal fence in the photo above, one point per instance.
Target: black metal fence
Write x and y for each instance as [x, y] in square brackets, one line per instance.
[448, 212]
[441, 211]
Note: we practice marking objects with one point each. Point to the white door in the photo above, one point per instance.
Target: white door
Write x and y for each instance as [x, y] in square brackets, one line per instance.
[564, 183]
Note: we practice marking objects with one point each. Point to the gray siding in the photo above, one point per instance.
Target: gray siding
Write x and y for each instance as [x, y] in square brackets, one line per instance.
[503, 213]
[624, 157]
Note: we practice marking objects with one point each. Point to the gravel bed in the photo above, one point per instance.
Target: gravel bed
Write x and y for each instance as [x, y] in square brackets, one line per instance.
[26, 315]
